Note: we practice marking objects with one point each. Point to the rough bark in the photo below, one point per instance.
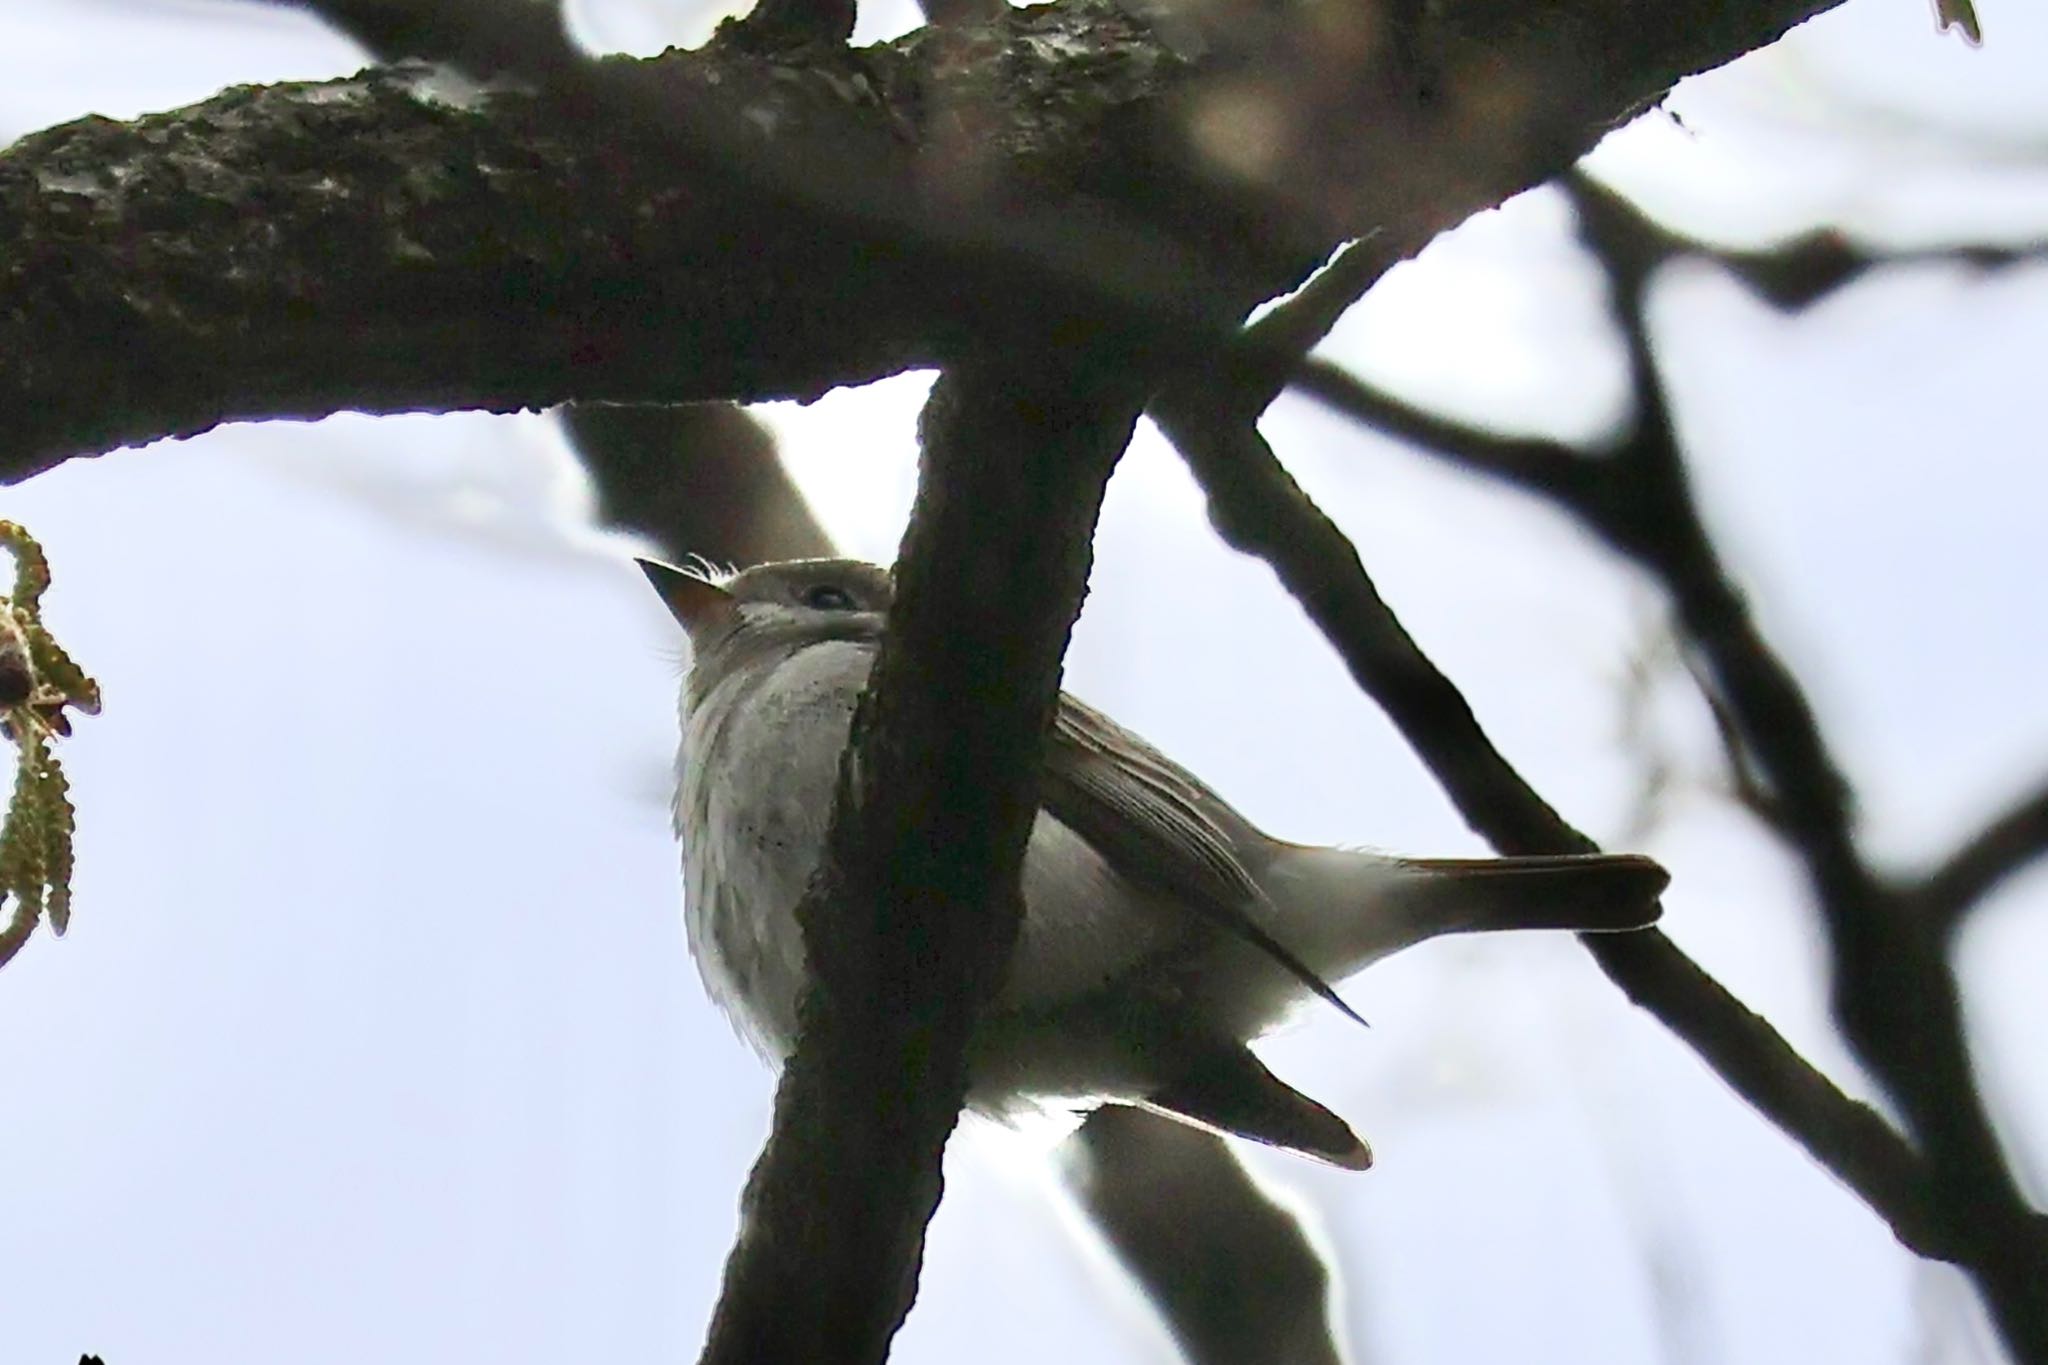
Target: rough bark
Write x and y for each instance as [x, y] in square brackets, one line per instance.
[723, 224]
[910, 921]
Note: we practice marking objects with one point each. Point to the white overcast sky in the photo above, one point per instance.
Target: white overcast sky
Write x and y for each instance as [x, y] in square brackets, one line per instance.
[375, 1038]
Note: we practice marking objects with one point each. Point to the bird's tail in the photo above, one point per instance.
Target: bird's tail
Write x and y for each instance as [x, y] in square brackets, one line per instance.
[1587, 892]
[1339, 910]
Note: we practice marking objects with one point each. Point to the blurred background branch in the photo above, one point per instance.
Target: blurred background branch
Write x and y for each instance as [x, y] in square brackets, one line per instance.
[1951, 1195]
[483, 36]
[2000, 850]
[1259, 509]
[1231, 1271]
[695, 479]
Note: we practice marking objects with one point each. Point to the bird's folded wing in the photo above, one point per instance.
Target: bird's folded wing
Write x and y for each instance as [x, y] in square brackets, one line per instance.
[1225, 1089]
[1160, 828]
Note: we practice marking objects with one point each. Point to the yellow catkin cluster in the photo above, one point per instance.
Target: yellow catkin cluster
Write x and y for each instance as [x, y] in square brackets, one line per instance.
[39, 684]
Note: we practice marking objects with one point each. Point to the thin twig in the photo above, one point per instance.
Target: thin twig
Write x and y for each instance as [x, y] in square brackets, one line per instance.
[1229, 1268]
[696, 479]
[1259, 509]
[1267, 353]
[1537, 464]
[1999, 850]
[1894, 992]
[482, 36]
[1796, 273]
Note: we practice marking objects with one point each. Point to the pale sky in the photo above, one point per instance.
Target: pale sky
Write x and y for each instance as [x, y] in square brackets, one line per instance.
[375, 1037]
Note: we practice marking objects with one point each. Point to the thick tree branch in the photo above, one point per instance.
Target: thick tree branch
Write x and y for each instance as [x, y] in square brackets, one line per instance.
[707, 225]
[719, 224]
[910, 923]
[704, 479]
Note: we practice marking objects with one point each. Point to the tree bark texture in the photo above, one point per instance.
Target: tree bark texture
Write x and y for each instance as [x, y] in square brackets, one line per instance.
[909, 924]
[724, 224]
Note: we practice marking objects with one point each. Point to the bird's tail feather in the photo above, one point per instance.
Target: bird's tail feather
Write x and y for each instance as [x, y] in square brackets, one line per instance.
[1587, 892]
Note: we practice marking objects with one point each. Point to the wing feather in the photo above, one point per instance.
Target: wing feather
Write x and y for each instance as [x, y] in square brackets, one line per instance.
[1161, 829]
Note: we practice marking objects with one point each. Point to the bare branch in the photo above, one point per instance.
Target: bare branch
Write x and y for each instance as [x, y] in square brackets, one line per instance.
[481, 36]
[1231, 1270]
[1534, 463]
[746, 227]
[1260, 510]
[1267, 353]
[743, 228]
[1803, 270]
[1998, 851]
[952, 12]
[704, 478]
[697, 478]
[911, 920]
[1894, 993]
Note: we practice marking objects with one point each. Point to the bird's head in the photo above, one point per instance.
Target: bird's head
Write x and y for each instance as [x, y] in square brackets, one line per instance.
[787, 604]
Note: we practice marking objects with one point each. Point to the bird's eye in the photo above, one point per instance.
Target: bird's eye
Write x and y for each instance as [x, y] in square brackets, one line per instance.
[828, 597]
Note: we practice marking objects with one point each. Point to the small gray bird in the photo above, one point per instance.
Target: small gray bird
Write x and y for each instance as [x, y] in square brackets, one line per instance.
[1161, 928]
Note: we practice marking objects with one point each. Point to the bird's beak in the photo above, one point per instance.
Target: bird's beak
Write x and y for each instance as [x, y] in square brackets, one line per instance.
[695, 603]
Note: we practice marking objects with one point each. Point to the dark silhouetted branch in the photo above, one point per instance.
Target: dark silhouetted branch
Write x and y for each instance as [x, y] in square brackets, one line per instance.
[704, 479]
[720, 224]
[1537, 464]
[1802, 270]
[1265, 356]
[482, 36]
[1260, 510]
[911, 920]
[1894, 992]
[2000, 850]
[1231, 1270]
[696, 479]
[1954, 1198]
